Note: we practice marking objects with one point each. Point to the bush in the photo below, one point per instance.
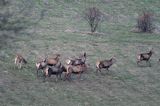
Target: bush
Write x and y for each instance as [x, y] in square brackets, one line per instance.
[93, 17]
[145, 22]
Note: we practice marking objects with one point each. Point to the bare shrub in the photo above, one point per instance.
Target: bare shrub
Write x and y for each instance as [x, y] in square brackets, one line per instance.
[145, 22]
[93, 17]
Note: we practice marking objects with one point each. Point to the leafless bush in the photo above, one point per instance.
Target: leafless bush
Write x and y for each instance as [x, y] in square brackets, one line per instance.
[145, 22]
[93, 17]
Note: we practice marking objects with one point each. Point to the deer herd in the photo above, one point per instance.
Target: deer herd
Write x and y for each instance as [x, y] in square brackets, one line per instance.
[53, 66]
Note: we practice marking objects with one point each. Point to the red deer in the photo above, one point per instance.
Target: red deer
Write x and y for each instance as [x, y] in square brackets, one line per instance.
[105, 64]
[77, 61]
[47, 61]
[54, 70]
[78, 69]
[52, 61]
[144, 57]
[40, 65]
[19, 60]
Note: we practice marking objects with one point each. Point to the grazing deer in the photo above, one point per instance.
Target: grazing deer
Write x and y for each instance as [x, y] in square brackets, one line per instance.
[54, 70]
[144, 57]
[19, 60]
[105, 64]
[77, 61]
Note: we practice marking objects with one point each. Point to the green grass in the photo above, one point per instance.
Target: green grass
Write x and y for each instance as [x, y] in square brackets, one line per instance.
[125, 85]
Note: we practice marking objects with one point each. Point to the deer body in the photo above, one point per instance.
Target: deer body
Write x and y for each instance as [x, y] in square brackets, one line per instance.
[78, 69]
[54, 70]
[19, 60]
[41, 65]
[144, 56]
[77, 61]
[104, 64]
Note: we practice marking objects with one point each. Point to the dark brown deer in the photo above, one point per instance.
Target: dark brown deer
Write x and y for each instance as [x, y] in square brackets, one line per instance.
[54, 70]
[19, 60]
[106, 64]
[144, 57]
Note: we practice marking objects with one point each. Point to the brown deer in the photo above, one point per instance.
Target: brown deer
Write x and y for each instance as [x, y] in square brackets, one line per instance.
[144, 57]
[40, 65]
[77, 61]
[19, 60]
[52, 61]
[106, 64]
[71, 69]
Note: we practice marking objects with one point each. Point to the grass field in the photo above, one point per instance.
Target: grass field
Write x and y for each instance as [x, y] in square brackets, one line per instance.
[125, 85]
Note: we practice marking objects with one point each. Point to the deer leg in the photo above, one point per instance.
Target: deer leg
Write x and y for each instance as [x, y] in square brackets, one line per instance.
[79, 75]
[20, 65]
[56, 77]
[108, 69]
[37, 73]
[60, 76]
[44, 77]
[98, 70]
[65, 76]
[138, 62]
[149, 63]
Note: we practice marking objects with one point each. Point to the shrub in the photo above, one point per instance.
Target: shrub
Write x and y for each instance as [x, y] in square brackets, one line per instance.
[93, 17]
[145, 22]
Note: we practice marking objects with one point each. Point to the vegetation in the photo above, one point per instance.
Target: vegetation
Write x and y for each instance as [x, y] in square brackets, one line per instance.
[145, 22]
[126, 84]
[93, 17]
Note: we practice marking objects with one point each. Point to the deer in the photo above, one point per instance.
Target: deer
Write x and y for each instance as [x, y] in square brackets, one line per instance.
[40, 65]
[52, 61]
[104, 64]
[71, 69]
[19, 60]
[77, 61]
[144, 57]
[54, 70]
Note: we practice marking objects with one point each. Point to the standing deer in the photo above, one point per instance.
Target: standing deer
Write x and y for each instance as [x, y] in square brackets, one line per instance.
[144, 57]
[19, 60]
[54, 70]
[71, 69]
[47, 62]
[76, 66]
[77, 61]
[106, 64]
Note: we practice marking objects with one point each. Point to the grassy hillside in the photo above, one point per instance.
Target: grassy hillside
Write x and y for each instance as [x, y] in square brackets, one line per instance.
[125, 85]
